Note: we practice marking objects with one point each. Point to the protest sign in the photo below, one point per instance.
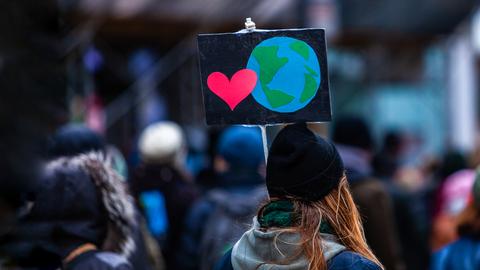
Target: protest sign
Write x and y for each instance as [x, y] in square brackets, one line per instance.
[265, 77]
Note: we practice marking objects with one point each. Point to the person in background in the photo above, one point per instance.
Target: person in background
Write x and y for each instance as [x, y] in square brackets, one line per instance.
[410, 205]
[219, 218]
[354, 142]
[445, 205]
[162, 186]
[310, 221]
[82, 218]
[464, 253]
[387, 161]
[450, 199]
[73, 139]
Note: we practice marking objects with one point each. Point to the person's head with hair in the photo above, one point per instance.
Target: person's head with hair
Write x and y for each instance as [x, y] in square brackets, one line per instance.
[387, 162]
[73, 139]
[354, 142]
[453, 161]
[310, 217]
[239, 148]
[163, 143]
[354, 132]
[393, 142]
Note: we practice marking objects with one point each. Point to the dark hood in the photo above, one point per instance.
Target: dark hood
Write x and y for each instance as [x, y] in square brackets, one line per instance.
[79, 202]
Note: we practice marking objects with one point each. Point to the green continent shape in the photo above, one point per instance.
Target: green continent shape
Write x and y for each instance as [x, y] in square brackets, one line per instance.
[270, 64]
[309, 88]
[301, 48]
[278, 98]
[311, 71]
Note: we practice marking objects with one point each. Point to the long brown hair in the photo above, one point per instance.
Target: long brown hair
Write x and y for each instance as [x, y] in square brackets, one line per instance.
[339, 210]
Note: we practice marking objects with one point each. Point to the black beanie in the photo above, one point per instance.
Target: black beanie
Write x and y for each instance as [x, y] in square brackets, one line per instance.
[302, 165]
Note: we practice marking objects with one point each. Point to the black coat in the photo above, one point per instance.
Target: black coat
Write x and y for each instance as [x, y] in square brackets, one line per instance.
[179, 194]
[233, 182]
[95, 260]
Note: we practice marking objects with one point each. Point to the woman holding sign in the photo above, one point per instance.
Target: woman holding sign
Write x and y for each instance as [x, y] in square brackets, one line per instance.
[311, 221]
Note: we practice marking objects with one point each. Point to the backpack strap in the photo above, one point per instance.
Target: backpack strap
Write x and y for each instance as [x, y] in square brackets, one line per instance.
[79, 251]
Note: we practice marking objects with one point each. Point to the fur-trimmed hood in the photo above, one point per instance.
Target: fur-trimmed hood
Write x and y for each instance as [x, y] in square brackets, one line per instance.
[82, 199]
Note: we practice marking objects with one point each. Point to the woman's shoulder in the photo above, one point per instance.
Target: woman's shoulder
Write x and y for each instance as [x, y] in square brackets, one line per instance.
[345, 260]
[352, 261]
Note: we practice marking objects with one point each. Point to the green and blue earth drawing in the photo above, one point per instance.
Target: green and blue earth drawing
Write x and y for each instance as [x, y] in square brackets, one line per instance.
[288, 74]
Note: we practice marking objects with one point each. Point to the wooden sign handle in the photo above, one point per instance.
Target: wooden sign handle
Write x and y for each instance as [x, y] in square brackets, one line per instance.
[263, 128]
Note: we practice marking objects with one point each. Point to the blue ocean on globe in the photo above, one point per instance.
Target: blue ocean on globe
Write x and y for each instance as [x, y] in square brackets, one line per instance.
[288, 74]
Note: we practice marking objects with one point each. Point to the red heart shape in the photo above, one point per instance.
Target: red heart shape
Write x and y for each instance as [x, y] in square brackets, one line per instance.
[235, 90]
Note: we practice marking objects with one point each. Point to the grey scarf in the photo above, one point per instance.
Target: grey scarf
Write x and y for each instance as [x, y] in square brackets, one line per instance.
[258, 249]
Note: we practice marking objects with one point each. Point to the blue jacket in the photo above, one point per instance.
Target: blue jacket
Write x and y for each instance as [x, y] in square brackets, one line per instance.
[345, 260]
[462, 254]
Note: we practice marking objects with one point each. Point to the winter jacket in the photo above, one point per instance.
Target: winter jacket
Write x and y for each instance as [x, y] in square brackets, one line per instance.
[81, 200]
[412, 220]
[178, 194]
[94, 260]
[147, 254]
[266, 248]
[463, 254]
[237, 184]
[375, 207]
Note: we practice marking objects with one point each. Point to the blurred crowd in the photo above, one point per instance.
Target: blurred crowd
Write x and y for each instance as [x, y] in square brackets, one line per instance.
[72, 199]
[93, 207]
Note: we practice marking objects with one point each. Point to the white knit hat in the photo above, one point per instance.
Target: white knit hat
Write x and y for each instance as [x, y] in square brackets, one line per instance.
[162, 142]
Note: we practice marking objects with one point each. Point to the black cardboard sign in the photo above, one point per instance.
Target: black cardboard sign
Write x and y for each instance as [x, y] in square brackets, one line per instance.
[265, 77]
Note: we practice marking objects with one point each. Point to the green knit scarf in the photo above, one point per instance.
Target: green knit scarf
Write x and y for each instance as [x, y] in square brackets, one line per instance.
[281, 214]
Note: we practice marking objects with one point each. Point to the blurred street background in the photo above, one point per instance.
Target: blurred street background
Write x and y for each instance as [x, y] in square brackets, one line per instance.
[408, 68]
